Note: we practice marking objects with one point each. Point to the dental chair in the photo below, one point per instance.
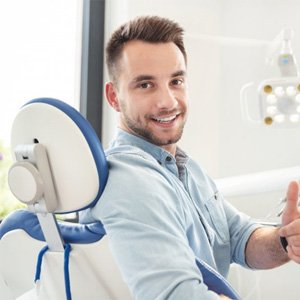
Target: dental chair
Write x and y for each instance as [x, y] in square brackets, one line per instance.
[59, 168]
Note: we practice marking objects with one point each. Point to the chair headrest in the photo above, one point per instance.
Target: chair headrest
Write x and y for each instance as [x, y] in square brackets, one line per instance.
[76, 157]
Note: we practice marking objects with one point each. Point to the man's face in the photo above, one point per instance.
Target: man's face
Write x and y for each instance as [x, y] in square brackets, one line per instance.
[151, 92]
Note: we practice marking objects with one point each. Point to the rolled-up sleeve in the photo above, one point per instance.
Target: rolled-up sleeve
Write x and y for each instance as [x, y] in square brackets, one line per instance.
[241, 227]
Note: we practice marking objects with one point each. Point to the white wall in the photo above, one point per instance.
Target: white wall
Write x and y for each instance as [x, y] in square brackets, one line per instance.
[216, 133]
[227, 43]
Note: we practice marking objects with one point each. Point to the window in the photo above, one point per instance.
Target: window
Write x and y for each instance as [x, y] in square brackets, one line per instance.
[40, 56]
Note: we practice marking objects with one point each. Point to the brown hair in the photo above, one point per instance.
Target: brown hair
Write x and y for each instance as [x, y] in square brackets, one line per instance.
[152, 29]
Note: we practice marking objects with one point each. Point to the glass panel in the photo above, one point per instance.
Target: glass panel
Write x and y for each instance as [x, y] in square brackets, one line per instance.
[40, 56]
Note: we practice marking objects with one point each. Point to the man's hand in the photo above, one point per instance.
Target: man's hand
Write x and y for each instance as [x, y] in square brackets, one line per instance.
[291, 222]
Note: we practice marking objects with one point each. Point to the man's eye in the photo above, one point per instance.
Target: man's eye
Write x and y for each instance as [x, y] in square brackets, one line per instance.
[177, 82]
[145, 85]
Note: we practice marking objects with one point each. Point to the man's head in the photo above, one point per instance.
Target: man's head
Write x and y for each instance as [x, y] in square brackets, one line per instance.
[148, 29]
[147, 66]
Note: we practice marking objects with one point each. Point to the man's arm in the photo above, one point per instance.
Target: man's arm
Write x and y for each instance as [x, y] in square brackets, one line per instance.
[264, 249]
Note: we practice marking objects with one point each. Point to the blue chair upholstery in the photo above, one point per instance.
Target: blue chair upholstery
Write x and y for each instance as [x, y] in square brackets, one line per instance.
[71, 232]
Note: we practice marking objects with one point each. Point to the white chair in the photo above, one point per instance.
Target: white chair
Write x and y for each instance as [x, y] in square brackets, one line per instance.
[60, 167]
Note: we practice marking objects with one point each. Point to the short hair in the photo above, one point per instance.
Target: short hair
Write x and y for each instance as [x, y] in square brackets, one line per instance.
[152, 29]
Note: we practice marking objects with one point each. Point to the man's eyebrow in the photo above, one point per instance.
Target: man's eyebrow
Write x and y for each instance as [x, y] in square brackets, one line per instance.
[179, 73]
[145, 77]
[142, 78]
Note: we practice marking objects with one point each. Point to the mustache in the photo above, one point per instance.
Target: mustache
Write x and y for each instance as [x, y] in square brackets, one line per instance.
[165, 112]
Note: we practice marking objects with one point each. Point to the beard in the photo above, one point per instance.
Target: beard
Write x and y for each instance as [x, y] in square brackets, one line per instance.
[143, 131]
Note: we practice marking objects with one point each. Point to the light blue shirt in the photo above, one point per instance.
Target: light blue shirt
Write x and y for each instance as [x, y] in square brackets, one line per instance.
[161, 213]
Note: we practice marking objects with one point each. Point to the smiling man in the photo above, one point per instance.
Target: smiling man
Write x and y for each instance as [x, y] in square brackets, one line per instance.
[150, 93]
[161, 211]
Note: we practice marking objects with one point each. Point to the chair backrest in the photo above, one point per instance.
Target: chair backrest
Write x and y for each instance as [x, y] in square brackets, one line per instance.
[67, 260]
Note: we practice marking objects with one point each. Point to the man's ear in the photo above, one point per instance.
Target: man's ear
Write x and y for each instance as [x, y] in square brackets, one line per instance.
[111, 96]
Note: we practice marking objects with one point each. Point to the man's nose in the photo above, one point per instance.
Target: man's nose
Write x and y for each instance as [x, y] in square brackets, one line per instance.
[166, 99]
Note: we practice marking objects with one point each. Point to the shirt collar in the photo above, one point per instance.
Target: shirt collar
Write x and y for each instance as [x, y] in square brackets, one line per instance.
[161, 155]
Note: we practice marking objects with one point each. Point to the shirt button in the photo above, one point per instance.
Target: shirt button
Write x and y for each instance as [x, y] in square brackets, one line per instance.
[168, 158]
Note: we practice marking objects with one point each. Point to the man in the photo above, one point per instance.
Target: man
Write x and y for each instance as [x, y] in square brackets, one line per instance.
[162, 213]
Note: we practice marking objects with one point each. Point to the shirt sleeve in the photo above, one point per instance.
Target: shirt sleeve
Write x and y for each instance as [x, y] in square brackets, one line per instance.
[145, 224]
[241, 227]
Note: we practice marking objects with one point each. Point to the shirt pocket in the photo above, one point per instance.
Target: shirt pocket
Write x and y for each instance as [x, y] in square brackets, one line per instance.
[217, 216]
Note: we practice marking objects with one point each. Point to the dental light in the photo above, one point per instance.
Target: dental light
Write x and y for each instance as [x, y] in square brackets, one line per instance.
[280, 101]
[279, 98]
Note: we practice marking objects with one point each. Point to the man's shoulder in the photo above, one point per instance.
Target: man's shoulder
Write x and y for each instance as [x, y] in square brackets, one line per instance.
[137, 184]
[125, 150]
[130, 155]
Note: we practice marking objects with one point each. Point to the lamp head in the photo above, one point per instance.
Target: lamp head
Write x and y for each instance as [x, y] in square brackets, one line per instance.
[280, 101]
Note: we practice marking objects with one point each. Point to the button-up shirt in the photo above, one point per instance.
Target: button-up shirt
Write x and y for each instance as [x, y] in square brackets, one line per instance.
[162, 213]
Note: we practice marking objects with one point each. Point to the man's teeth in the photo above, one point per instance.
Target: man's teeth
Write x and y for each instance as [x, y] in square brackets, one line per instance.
[165, 120]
